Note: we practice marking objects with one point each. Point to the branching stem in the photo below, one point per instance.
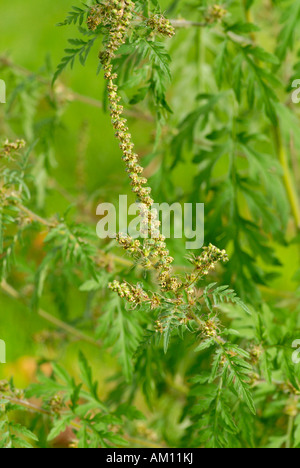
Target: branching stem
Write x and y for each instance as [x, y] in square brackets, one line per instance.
[51, 319]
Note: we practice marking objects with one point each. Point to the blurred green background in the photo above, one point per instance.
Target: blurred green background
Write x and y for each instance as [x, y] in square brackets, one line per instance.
[31, 39]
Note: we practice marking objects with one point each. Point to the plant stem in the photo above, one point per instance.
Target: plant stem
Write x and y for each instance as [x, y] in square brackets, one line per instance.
[34, 217]
[287, 177]
[26, 404]
[282, 154]
[51, 319]
[289, 441]
[249, 19]
[68, 93]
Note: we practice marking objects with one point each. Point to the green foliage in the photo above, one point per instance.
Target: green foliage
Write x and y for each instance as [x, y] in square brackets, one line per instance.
[290, 19]
[121, 332]
[210, 365]
[14, 435]
[76, 15]
[80, 50]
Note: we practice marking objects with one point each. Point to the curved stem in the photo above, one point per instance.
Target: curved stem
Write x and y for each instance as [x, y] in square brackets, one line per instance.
[68, 93]
[51, 319]
[287, 176]
[282, 155]
[34, 217]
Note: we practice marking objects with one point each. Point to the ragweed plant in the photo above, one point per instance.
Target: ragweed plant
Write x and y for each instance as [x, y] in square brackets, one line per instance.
[206, 368]
[176, 305]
